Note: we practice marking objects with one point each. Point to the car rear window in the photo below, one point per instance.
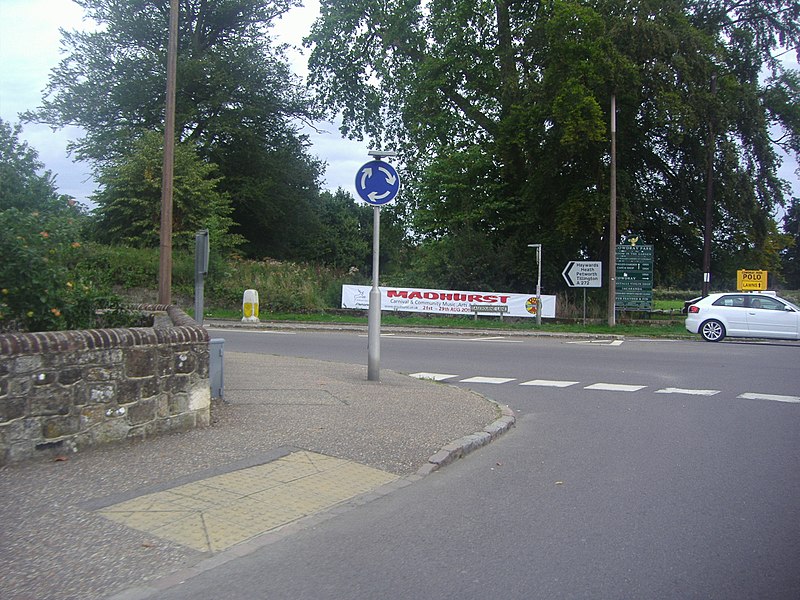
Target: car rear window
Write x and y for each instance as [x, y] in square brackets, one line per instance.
[733, 301]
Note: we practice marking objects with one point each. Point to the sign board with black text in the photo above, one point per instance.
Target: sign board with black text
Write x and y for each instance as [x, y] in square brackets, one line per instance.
[751, 281]
[583, 273]
[634, 277]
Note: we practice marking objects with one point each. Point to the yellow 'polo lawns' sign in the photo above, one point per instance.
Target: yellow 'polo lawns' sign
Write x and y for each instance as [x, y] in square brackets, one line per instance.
[751, 281]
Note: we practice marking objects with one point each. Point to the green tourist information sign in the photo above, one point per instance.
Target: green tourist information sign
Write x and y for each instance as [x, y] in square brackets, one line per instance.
[634, 277]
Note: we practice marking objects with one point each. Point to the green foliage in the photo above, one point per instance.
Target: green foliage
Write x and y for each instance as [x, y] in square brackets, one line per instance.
[501, 112]
[345, 234]
[40, 287]
[129, 204]
[791, 256]
[238, 105]
[282, 286]
[21, 184]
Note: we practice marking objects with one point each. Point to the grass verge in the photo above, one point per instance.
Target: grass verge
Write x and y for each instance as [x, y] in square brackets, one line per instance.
[650, 329]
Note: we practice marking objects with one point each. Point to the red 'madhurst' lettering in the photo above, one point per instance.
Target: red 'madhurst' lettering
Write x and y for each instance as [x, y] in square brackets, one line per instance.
[487, 298]
[458, 297]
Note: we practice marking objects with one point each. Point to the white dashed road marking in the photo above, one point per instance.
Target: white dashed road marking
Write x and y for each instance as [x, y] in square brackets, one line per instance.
[615, 387]
[607, 387]
[491, 380]
[433, 376]
[690, 392]
[600, 342]
[751, 396]
[549, 383]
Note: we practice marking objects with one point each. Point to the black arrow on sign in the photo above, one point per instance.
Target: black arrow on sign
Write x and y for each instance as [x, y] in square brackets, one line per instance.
[565, 274]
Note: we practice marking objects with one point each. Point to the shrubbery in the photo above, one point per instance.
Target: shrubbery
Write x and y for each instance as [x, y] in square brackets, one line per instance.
[41, 286]
[282, 286]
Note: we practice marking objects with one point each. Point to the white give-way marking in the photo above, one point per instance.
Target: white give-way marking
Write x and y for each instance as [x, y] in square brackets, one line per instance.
[549, 383]
[490, 380]
[433, 376]
[615, 387]
[602, 386]
[772, 397]
[690, 392]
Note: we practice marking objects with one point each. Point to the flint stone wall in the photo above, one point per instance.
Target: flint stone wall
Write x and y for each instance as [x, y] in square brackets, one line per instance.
[65, 391]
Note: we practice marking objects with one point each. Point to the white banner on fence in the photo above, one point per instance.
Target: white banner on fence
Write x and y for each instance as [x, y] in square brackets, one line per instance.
[446, 302]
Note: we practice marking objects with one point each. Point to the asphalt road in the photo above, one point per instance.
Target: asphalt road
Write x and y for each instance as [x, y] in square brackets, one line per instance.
[731, 367]
[636, 470]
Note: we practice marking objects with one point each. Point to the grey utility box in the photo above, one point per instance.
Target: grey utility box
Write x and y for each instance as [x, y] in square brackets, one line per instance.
[216, 375]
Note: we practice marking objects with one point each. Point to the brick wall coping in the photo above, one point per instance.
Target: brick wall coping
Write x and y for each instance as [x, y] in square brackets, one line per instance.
[184, 330]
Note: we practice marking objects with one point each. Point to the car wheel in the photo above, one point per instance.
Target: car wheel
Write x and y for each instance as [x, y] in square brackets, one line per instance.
[712, 331]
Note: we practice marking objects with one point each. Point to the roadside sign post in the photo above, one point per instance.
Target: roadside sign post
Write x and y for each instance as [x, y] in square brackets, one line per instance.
[538, 282]
[583, 274]
[377, 183]
[201, 249]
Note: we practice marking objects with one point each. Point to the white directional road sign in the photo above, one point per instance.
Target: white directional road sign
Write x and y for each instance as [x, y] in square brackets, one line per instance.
[583, 273]
[377, 182]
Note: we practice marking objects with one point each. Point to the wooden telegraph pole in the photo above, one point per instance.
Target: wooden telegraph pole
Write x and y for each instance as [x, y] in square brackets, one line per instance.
[612, 221]
[165, 253]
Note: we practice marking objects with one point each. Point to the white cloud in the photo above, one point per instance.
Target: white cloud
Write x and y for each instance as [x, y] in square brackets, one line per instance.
[30, 48]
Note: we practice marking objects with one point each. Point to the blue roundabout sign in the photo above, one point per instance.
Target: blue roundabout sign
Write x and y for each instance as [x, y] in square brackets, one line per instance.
[377, 182]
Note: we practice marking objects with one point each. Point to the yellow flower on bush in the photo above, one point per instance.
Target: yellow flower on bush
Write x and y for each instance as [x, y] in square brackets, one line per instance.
[5, 291]
[69, 285]
[29, 314]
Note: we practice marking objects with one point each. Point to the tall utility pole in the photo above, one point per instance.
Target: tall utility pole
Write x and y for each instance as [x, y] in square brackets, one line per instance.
[165, 253]
[708, 228]
[612, 221]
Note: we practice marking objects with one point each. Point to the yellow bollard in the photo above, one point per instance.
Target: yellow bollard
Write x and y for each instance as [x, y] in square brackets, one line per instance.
[250, 307]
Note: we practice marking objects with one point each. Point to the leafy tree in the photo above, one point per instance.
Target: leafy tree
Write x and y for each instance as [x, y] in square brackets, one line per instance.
[345, 232]
[40, 244]
[501, 112]
[791, 256]
[237, 101]
[129, 203]
[23, 183]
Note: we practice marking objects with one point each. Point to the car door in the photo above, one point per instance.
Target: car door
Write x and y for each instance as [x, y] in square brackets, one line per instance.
[769, 317]
[731, 309]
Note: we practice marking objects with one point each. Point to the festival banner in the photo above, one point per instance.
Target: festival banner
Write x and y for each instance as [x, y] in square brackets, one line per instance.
[448, 302]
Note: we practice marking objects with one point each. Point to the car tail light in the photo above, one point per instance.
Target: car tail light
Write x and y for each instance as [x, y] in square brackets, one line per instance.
[694, 309]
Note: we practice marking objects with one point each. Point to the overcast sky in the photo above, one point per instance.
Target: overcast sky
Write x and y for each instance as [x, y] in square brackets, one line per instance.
[30, 48]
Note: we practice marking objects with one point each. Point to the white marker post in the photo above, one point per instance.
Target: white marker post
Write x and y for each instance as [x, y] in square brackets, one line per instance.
[250, 306]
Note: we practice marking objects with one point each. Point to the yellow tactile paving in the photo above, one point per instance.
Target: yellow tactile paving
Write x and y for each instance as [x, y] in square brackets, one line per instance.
[215, 513]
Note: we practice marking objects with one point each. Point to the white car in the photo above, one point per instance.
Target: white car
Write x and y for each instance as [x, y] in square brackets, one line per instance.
[740, 314]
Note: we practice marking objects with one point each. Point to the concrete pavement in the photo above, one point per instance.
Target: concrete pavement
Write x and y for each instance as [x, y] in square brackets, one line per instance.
[297, 441]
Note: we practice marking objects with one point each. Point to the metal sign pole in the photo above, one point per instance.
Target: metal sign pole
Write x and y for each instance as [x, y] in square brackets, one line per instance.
[201, 249]
[538, 282]
[584, 306]
[374, 318]
[539, 285]
[377, 183]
